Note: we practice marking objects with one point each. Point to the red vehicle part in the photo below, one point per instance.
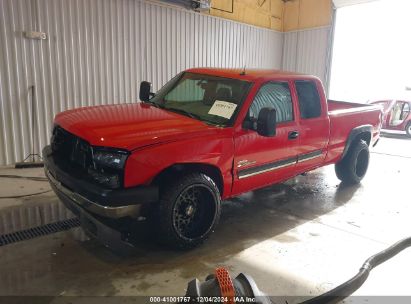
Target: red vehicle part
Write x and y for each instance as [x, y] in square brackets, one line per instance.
[129, 155]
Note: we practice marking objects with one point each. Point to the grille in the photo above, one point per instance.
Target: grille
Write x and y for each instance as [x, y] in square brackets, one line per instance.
[75, 156]
[32, 233]
[71, 149]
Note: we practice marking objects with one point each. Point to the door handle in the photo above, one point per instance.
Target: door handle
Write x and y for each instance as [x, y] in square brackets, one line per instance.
[293, 134]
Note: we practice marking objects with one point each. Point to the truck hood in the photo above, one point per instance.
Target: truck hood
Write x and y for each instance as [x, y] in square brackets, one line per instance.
[130, 126]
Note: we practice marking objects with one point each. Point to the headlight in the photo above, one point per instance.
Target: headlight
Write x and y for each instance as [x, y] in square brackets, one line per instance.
[108, 165]
[109, 159]
[109, 180]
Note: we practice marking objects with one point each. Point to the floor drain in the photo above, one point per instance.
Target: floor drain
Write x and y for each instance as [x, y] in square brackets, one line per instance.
[32, 233]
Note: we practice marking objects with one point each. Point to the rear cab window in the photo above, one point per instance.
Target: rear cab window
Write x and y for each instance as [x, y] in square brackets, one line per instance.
[309, 101]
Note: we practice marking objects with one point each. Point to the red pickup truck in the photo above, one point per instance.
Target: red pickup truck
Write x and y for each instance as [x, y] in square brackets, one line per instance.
[206, 136]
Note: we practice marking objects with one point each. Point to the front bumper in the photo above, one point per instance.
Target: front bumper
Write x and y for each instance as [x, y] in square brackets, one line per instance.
[104, 213]
[79, 200]
[97, 200]
[96, 228]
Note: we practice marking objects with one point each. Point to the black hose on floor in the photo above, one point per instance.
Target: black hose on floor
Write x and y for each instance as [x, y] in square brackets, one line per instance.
[348, 288]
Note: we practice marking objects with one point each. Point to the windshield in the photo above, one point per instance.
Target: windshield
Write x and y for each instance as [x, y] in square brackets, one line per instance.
[214, 100]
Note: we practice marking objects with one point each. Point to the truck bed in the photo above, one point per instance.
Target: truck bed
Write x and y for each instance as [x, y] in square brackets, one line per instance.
[345, 116]
[341, 107]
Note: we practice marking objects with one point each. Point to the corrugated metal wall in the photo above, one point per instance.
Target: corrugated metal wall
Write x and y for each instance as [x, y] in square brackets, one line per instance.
[98, 51]
[306, 51]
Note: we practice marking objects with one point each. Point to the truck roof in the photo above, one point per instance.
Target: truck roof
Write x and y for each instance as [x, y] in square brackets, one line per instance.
[250, 74]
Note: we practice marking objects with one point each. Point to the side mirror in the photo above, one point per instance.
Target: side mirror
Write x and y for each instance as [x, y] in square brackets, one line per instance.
[145, 88]
[267, 122]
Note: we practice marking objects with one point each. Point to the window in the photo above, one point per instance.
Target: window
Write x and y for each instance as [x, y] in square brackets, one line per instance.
[202, 96]
[186, 90]
[273, 95]
[405, 111]
[308, 99]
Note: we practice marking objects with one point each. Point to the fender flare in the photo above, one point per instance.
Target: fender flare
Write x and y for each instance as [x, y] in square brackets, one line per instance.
[357, 132]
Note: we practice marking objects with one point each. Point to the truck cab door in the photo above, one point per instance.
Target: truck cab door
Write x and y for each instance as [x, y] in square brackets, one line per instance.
[260, 160]
[314, 125]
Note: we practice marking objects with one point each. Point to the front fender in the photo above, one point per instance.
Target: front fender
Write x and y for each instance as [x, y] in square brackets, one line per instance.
[144, 165]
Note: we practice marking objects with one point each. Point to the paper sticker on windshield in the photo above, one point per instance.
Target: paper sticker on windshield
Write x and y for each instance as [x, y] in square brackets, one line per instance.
[223, 109]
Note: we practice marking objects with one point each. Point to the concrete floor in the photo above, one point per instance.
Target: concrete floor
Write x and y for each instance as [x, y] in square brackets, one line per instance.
[299, 238]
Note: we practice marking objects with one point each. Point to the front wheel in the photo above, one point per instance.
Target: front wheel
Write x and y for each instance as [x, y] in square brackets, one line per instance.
[353, 167]
[188, 211]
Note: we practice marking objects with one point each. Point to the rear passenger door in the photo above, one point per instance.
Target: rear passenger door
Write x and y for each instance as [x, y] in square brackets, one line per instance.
[314, 124]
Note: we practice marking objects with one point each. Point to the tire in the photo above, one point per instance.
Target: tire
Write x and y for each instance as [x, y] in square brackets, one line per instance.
[188, 211]
[408, 129]
[353, 167]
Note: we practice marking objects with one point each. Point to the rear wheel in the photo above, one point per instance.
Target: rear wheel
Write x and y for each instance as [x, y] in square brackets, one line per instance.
[408, 129]
[353, 167]
[188, 211]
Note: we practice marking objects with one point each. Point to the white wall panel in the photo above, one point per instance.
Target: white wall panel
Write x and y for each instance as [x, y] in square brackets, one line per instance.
[98, 51]
[306, 51]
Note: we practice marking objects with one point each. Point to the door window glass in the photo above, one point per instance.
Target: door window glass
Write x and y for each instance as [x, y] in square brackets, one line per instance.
[273, 95]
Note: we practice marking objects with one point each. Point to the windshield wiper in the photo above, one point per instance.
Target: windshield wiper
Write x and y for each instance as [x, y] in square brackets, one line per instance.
[154, 104]
[184, 112]
[192, 115]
